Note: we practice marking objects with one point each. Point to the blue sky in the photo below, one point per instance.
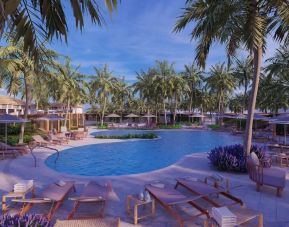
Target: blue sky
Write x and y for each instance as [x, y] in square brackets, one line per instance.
[136, 35]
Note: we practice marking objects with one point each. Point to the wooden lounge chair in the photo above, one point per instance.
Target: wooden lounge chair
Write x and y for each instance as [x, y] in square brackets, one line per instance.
[22, 149]
[199, 187]
[40, 141]
[171, 199]
[274, 177]
[53, 194]
[93, 193]
[58, 139]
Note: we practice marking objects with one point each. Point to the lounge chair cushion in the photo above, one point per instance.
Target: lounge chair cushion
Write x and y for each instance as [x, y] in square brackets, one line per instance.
[56, 192]
[255, 158]
[274, 176]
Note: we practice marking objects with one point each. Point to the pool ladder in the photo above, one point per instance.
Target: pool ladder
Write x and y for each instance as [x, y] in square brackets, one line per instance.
[31, 148]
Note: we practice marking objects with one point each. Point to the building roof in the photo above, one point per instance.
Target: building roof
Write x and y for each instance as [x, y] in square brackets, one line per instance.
[6, 100]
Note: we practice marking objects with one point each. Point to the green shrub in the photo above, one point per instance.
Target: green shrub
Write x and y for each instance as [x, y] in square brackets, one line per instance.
[14, 139]
[103, 126]
[128, 136]
[186, 123]
[176, 126]
[214, 127]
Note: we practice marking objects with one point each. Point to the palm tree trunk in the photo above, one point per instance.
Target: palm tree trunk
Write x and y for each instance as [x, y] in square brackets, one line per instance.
[165, 114]
[67, 112]
[27, 96]
[103, 111]
[175, 109]
[252, 103]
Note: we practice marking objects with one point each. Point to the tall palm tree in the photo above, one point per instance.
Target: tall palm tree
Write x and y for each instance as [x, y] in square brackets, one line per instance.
[36, 21]
[69, 86]
[194, 79]
[179, 88]
[144, 87]
[221, 82]
[25, 71]
[103, 85]
[243, 72]
[162, 85]
[246, 23]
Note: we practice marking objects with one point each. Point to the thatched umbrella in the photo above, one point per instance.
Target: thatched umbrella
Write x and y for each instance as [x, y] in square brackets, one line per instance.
[10, 119]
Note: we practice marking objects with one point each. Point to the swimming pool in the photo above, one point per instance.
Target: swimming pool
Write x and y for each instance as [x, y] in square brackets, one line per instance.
[140, 156]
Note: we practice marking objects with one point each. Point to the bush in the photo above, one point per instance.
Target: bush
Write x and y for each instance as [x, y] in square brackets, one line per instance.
[24, 221]
[104, 126]
[176, 126]
[128, 136]
[186, 123]
[14, 139]
[232, 158]
[214, 127]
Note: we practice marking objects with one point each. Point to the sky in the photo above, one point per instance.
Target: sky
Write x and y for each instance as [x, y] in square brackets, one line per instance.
[136, 35]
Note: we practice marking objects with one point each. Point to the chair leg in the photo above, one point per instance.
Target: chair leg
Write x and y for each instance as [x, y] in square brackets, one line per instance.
[258, 186]
[279, 192]
[260, 220]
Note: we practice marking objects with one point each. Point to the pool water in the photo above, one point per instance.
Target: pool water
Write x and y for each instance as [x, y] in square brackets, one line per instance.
[131, 157]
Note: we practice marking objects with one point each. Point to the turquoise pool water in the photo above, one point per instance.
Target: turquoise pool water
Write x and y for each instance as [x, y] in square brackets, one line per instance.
[132, 157]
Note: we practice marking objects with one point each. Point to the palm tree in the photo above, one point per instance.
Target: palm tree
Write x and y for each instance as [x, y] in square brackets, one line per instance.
[103, 85]
[144, 87]
[246, 23]
[162, 85]
[221, 82]
[69, 87]
[38, 21]
[243, 72]
[25, 71]
[194, 78]
[179, 88]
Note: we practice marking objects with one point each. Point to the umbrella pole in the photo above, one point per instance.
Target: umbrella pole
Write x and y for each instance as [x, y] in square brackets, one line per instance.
[6, 133]
[285, 132]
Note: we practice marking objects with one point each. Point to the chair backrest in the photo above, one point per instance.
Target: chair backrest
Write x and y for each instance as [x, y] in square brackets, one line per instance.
[255, 171]
[38, 138]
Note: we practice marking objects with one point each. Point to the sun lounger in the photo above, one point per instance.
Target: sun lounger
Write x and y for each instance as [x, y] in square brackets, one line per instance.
[20, 148]
[58, 139]
[199, 187]
[53, 194]
[93, 193]
[40, 141]
[171, 199]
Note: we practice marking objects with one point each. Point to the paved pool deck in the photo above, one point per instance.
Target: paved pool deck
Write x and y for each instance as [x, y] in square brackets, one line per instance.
[275, 209]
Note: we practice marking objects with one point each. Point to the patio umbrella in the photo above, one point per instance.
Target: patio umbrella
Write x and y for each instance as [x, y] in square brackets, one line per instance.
[281, 120]
[148, 115]
[113, 115]
[197, 115]
[131, 115]
[10, 119]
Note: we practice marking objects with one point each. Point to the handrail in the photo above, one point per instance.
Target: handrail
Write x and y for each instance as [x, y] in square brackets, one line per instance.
[31, 148]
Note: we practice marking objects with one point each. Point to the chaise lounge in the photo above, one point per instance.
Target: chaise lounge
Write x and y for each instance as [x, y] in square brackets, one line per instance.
[53, 194]
[199, 187]
[170, 199]
[93, 193]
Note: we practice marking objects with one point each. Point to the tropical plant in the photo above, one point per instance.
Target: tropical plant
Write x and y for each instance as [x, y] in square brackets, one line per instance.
[232, 158]
[37, 21]
[21, 77]
[246, 23]
[194, 78]
[243, 72]
[222, 83]
[69, 86]
[102, 85]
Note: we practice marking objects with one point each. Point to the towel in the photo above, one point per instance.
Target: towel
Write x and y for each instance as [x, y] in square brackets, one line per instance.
[224, 217]
[23, 186]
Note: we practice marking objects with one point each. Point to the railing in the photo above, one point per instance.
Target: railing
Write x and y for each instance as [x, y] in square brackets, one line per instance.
[31, 148]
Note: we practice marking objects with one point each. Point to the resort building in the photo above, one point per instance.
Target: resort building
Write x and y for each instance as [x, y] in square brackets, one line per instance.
[60, 107]
[9, 105]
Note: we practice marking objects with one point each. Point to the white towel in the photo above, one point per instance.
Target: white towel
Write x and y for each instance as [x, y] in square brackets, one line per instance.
[224, 217]
[23, 186]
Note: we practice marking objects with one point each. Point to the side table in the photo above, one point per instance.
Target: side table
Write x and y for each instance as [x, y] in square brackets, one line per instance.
[15, 195]
[133, 203]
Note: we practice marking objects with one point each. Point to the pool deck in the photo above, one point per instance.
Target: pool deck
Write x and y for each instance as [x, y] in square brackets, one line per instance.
[275, 209]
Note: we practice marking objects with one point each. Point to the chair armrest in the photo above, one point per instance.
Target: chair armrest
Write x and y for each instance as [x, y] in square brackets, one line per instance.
[87, 199]
[34, 200]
